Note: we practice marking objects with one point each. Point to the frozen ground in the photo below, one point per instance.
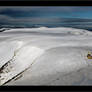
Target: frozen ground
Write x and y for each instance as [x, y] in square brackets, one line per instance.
[45, 56]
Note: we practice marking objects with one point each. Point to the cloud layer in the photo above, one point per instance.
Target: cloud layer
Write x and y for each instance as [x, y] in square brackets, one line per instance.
[46, 15]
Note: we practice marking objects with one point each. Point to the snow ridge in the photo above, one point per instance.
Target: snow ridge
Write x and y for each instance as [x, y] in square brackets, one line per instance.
[21, 60]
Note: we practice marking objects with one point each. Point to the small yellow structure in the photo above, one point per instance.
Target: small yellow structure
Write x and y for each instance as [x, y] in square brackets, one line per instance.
[89, 56]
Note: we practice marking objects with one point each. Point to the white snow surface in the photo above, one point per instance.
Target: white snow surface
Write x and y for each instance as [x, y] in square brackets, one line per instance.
[48, 56]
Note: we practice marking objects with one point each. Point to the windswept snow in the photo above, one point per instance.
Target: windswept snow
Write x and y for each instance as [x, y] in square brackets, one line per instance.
[50, 56]
[22, 58]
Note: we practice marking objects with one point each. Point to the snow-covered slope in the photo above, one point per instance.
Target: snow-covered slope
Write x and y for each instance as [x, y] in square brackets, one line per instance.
[45, 56]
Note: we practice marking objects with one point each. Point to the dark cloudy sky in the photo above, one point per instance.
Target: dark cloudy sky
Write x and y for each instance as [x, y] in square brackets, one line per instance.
[45, 15]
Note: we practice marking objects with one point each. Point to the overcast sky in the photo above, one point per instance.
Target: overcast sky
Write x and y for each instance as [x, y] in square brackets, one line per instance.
[21, 15]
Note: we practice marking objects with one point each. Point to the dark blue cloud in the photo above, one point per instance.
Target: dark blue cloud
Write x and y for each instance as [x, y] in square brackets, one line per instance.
[62, 16]
[66, 12]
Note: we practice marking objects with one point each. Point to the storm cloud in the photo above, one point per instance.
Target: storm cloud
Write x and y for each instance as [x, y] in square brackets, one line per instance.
[45, 15]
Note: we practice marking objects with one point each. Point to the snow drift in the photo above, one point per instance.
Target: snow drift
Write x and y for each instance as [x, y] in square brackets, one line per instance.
[45, 56]
[17, 60]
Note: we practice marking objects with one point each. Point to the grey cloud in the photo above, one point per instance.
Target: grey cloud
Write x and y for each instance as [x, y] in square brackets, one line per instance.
[44, 8]
[7, 19]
